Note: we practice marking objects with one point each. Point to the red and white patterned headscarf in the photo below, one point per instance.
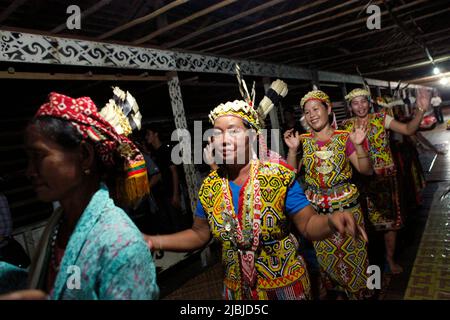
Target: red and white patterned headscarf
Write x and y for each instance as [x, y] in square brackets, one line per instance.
[110, 146]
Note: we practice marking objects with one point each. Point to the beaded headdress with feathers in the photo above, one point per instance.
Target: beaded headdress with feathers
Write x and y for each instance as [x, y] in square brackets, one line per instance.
[245, 109]
[122, 112]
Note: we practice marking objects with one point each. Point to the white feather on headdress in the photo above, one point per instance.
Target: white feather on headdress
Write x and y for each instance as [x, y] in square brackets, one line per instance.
[122, 112]
[278, 90]
[250, 99]
[388, 102]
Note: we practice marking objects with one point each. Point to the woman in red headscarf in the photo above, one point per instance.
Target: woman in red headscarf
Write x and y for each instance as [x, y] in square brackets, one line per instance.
[90, 249]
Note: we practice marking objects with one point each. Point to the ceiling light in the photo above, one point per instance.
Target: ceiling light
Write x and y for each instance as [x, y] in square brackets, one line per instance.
[436, 70]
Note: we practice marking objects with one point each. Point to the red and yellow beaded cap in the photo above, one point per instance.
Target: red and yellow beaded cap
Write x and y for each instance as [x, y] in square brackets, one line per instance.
[315, 95]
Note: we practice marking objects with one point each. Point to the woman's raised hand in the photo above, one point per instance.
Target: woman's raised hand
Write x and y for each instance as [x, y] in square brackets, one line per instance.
[423, 98]
[292, 140]
[358, 135]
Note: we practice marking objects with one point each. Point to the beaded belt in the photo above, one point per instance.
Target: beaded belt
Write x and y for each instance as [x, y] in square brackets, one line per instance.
[339, 197]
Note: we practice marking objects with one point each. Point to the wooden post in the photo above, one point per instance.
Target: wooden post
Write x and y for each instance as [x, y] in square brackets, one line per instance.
[390, 88]
[344, 93]
[176, 101]
[405, 107]
[378, 89]
[409, 95]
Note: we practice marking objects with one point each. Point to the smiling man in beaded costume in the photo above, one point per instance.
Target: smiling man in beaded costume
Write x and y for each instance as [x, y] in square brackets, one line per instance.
[248, 208]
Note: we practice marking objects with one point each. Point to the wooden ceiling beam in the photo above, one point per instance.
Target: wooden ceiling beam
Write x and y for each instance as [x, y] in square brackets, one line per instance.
[377, 50]
[411, 65]
[183, 21]
[339, 36]
[366, 56]
[286, 25]
[411, 62]
[432, 78]
[365, 34]
[143, 19]
[257, 24]
[222, 23]
[415, 54]
[334, 30]
[342, 35]
[77, 76]
[84, 14]
[209, 84]
[62, 36]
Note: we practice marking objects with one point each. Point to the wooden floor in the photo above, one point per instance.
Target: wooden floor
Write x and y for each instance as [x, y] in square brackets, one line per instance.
[430, 275]
[423, 244]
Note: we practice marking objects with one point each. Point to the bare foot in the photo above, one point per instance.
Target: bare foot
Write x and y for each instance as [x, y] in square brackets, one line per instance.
[395, 268]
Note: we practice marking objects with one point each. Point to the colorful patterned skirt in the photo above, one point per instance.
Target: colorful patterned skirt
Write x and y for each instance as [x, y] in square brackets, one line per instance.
[293, 287]
[383, 202]
[343, 260]
[411, 171]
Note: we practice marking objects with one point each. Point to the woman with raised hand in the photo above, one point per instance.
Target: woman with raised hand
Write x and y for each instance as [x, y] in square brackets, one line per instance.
[327, 158]
[382, 190]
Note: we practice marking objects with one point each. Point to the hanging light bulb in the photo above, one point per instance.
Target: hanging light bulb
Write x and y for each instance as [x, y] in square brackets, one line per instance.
[444, 81]
[436, 70]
